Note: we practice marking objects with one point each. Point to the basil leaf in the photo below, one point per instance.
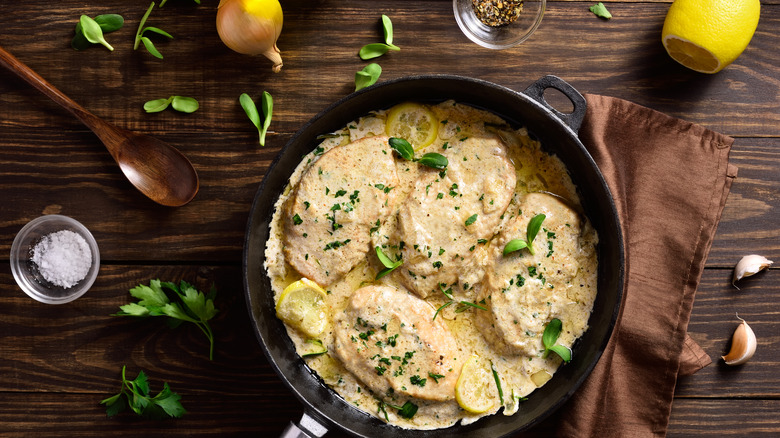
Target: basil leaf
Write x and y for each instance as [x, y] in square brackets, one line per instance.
[92, 31]
[368, 76]
[157, 105]
[551, 333]
[267, 103]
[600, 11]
[471, 219]
[184, 104]
[387, 27]
[563, 351]
[434, 160]
[514, 245]
[403, 148]
[375, 50]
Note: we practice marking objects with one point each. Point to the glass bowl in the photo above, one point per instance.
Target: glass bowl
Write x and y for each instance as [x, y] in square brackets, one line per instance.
[63, 256]
[501, 37]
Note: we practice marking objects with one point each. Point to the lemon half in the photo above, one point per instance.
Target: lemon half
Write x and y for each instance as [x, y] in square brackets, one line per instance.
[302, 305]
[475, 390]
[708, 35]
[414, 123]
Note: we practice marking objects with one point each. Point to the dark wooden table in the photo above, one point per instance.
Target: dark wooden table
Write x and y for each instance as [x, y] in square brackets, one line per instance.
[58, 362]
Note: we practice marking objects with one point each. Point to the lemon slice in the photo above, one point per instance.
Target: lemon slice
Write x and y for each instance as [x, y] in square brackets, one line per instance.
[475, 389]
[302, 305]
[414, 123]
[708, 35]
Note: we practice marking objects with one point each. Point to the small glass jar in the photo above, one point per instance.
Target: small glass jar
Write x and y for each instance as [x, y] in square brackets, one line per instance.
[499, 37]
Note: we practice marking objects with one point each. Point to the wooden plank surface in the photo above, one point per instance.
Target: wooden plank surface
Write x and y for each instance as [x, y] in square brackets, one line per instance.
[58, 362]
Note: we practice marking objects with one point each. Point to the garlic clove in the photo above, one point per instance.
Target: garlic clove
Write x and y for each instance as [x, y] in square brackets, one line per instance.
[749, 265]
[743, 345]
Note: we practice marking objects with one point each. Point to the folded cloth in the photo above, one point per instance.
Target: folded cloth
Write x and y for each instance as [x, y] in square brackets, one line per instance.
[670, 179]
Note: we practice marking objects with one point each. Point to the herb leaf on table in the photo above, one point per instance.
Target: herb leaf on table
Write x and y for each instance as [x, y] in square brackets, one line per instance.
[108, 23]
[188, 305]
[140, 38]
[136, 394]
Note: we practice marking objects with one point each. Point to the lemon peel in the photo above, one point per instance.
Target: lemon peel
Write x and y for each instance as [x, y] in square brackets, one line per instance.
[475, 390]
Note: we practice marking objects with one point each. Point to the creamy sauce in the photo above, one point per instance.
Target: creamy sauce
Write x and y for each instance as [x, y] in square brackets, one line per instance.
[384, 347]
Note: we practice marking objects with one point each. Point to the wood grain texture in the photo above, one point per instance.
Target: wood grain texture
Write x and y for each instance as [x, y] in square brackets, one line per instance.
[58, 362]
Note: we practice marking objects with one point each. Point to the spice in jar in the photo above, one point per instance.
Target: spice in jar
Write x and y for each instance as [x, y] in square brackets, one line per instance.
[496, 13]
[63, 258]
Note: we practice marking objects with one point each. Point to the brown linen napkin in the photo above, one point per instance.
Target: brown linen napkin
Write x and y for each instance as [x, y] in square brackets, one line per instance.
[670, 179]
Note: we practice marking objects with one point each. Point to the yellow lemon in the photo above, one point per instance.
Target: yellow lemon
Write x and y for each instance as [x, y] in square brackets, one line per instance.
[708, 35]
[302, 305]
[414, 123]
[475, 390]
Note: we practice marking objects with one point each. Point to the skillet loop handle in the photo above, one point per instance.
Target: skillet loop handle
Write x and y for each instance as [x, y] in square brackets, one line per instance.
[307, 427]
[536, 92]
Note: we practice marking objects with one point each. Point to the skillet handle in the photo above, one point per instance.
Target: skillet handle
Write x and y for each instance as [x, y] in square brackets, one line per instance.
[307, 427]
[536, 92]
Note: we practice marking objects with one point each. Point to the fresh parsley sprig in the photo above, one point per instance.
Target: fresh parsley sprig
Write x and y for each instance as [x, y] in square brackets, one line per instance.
[140, 38]
[406, 151]
[549, 338]
[530, 234]
[136, 395]
[190, 305]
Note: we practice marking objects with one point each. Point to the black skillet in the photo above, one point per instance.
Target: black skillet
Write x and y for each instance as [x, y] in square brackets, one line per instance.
[323, 408]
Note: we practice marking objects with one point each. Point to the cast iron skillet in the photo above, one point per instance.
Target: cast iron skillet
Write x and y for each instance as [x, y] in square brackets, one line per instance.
[323, 409]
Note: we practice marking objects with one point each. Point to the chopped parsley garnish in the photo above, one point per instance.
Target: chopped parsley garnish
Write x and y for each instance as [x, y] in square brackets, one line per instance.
[336, 244]
[416, 380]
[297, 219]
[471, 219]
[435, 377]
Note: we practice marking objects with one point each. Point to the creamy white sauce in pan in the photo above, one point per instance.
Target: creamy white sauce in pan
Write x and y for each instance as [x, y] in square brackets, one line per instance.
[396, 341]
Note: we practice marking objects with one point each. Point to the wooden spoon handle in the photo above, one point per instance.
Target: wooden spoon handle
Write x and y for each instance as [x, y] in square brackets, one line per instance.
[10, 62]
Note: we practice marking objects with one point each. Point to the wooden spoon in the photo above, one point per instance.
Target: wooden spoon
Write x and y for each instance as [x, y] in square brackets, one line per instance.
[154, 167]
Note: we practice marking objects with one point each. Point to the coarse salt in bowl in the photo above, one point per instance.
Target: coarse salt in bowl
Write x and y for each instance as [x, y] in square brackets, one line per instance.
[499, 37]
[55, 259]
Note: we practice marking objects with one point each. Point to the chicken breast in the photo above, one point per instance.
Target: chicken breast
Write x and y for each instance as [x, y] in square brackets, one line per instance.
[449, 214]
[389, 340]
[523, 292]
[339, 198]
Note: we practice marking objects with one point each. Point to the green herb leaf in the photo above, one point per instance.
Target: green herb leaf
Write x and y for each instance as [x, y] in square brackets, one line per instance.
[157, 105]
[551, 333]
[368, 76]
[600, 11]
[136, 394]
[315, 347]
[533, 229]
[184, 104]
[387, 27]
[191, 305]
[471, 219]
[389, 265]
[108, 23]
[375, 50]
[465, 304]
[434, 160]
[142, 28]
[498, 383]
[267, 103]
[563, 351]
[443, 306]
[403, 148]
[92, 32]
[151, 48]
[407, 410]
[514, 245]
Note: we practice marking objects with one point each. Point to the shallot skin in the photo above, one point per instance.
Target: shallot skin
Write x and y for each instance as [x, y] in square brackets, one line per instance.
[251, 27]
